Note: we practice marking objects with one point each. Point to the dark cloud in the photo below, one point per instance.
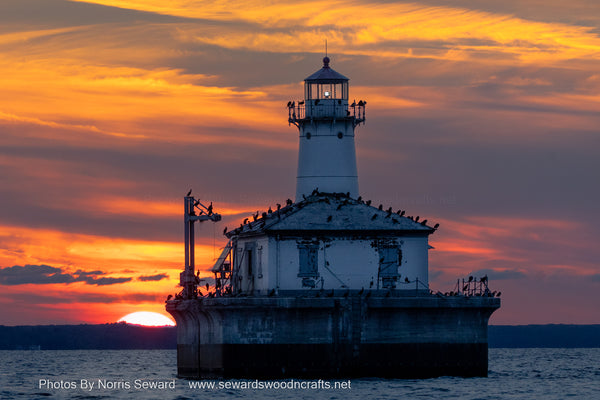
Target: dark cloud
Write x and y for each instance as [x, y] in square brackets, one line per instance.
[45, 274]
[35, 274]
[157, 277]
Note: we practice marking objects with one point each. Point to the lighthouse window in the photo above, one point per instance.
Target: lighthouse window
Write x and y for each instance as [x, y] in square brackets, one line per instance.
[249, 249]
[388, 266]
[308, 260]
[249, 255]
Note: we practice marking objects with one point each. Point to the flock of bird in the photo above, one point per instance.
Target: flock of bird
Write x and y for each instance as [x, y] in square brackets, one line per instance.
[344, 198]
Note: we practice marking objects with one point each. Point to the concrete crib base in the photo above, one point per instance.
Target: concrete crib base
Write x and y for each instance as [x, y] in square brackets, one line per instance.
[284, 337]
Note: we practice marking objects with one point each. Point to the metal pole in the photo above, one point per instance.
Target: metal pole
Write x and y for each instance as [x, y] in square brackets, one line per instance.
[186, 232]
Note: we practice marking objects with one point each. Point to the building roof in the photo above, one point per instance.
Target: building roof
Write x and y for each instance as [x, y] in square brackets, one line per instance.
[332, 213]
[326, 74]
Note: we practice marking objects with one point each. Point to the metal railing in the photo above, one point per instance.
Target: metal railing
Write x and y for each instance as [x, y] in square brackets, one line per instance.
[300, 112]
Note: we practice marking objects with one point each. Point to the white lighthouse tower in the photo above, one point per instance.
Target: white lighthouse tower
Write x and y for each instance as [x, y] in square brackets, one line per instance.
[326, 122]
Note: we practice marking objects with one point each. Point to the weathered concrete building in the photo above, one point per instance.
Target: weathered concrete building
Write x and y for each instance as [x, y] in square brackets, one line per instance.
[328, 285]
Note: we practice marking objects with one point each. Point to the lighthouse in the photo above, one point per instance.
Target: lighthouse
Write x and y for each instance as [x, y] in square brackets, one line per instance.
[326, 124]
[328, 285]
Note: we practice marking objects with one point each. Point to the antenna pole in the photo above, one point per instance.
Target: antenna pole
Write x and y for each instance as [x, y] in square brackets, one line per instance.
[325, 47]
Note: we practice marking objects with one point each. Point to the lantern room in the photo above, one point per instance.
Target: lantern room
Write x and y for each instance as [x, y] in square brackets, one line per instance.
[326, 84]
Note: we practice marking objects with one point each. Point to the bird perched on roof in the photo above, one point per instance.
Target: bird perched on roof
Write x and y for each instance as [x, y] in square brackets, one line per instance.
[359, 199]
[264, 215]
[368, 202]
[484, 278]
[189, 193]
[289, 202]
[436, 226]
[269, 210]
[402, 213]
[300, 103]
[255, 216]
[209, 209]
[278, 206]
[245, 221]
[417, 219]
[470, 278]
[225, 230]
[380, 207]
[353, 103]
[424, 222]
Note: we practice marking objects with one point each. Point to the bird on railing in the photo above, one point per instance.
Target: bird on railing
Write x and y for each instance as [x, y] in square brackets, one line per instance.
[301, 103]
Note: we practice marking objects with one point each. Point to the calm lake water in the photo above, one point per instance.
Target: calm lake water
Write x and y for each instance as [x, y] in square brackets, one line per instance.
[150, 374]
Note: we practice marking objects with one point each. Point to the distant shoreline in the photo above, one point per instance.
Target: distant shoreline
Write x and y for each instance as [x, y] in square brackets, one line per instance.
[121, 336]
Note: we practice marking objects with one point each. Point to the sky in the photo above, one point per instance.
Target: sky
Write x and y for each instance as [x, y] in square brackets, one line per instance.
[482, 116]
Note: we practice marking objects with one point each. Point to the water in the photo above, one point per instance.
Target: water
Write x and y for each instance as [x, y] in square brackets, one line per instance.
[549, 374]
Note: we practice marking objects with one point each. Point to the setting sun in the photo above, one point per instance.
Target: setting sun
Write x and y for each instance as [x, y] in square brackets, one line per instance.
[147, 318]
